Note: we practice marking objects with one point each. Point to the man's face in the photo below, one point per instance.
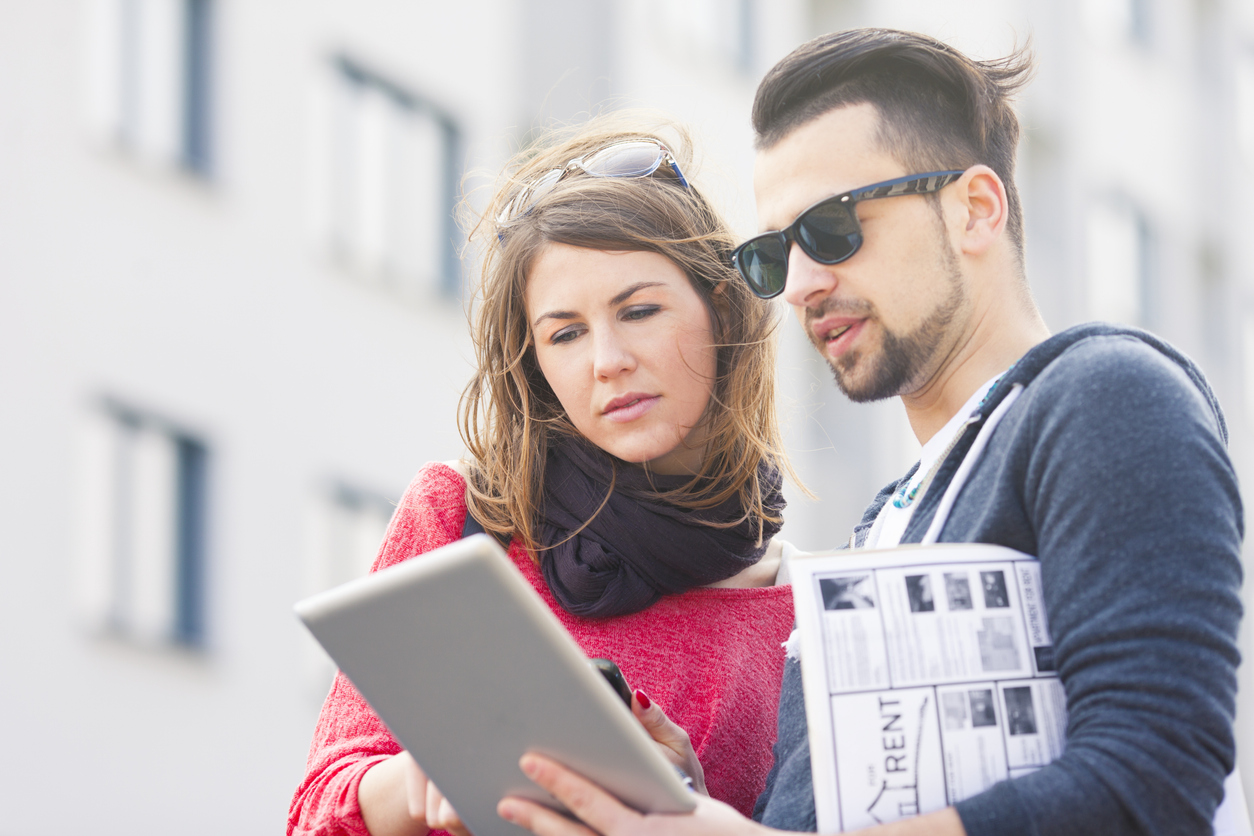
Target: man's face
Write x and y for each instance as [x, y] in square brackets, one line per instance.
[887, 318]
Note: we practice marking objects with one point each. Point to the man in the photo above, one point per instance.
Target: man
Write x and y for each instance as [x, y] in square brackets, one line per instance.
[1107, 461]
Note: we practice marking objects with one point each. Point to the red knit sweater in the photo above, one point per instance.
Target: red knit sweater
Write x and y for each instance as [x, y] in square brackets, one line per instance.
[710, 657]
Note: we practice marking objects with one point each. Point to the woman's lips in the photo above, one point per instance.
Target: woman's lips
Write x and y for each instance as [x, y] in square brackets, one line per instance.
[629, 407]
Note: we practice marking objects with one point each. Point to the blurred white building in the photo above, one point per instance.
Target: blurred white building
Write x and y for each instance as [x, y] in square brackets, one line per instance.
[231, 325]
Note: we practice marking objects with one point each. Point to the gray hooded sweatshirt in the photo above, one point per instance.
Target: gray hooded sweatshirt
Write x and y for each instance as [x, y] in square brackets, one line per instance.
[1112, 469]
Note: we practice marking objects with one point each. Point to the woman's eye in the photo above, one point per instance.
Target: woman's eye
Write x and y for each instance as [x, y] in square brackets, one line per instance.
[564, 336]
[641, 312]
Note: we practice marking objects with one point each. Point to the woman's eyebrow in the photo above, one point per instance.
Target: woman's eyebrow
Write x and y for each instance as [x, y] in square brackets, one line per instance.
[563, 315]
[627, 294]
[617, 300]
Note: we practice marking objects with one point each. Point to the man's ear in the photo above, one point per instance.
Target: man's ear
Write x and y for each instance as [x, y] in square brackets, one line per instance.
[982, 209]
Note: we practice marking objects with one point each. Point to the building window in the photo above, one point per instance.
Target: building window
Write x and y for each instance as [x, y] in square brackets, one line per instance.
[387, 165]
[1119, 275]
[141, 547]
[347, 528]
[149, 67]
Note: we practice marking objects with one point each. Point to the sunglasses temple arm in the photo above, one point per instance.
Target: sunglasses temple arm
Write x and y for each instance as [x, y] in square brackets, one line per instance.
[679, 174]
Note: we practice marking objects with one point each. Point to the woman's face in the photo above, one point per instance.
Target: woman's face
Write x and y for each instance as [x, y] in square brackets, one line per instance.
[625, 342]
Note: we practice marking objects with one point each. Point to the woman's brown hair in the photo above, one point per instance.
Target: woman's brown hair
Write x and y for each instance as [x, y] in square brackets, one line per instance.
[509, 415]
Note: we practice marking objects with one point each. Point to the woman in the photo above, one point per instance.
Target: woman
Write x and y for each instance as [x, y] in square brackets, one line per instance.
[623, 441]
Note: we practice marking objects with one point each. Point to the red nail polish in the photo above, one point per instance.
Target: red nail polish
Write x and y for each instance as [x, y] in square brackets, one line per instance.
[643, 699]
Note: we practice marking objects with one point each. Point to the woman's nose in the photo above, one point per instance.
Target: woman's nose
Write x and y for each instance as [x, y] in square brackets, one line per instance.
[613, 357]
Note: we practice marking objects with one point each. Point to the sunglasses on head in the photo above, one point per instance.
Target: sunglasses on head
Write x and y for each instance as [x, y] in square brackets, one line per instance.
[827, 232]
[631, 159]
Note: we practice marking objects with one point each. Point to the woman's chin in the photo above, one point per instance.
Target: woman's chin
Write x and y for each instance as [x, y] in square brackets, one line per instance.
[681, 462]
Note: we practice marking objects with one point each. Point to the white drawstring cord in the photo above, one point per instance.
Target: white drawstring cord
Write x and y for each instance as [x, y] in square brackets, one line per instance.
[968, 462]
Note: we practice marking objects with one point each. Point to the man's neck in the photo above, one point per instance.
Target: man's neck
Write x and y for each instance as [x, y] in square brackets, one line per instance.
[998, 338]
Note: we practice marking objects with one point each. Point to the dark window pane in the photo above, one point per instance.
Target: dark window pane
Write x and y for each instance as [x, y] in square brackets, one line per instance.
[196, 92]
[189, 626]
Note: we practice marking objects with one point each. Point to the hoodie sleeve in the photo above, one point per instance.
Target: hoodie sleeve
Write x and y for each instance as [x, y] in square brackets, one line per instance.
[1115, 463]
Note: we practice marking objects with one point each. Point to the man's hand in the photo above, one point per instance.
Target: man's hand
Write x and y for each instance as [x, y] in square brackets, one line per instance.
[602, 813]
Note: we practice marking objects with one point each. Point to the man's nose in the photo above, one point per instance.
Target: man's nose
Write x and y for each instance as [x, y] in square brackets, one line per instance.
[807, 281]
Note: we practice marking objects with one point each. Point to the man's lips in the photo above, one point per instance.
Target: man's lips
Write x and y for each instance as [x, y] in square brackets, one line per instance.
[630, 406]
[836, 332]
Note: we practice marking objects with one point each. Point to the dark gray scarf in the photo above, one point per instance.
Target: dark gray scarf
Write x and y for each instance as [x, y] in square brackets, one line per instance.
[638, 548]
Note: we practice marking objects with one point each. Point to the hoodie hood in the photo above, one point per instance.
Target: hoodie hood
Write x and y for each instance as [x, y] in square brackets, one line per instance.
[1041, 355]
[1023, 372]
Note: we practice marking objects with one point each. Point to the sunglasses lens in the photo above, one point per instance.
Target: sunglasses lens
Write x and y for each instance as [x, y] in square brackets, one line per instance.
[763, 262]
[625, 159]
[829, 233]
[633, 158]
[530, 196]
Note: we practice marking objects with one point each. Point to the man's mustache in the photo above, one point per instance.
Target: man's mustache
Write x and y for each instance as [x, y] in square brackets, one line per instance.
[839, 307]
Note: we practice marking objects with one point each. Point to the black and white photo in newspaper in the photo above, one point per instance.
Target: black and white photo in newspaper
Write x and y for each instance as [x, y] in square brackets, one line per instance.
[928, 674]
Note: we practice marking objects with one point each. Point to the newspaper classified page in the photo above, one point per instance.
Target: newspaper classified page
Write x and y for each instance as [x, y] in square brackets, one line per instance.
[928, 675]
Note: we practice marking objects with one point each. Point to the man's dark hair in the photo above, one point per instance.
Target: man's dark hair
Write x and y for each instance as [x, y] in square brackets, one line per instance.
[938, 108]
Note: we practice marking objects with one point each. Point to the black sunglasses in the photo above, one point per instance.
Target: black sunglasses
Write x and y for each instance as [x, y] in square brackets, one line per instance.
[827, 232]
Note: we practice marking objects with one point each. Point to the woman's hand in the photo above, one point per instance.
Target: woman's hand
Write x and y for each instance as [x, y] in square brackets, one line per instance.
[441, 815]
[397, 799]
[676, 746]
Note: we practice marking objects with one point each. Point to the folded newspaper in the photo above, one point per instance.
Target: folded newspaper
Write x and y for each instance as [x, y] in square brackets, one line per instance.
[929, 676]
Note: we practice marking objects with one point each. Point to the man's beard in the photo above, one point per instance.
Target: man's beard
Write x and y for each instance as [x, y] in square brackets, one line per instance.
[904, 360]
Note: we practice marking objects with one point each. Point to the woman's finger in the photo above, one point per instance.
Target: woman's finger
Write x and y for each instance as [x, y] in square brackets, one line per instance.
[440, 814]
[431, 811]
[671, 736]
[415, 787]
[446, 818]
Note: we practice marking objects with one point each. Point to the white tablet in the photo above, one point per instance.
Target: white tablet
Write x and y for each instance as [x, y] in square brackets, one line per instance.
[470, 670]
